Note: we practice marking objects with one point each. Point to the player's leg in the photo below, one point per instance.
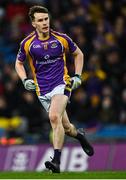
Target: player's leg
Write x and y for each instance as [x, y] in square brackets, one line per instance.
[69, 128]
[78, 134]
[56, 111]
[46, 101]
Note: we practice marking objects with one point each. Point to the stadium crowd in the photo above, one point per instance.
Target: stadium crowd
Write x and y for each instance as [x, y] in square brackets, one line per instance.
[99, 29]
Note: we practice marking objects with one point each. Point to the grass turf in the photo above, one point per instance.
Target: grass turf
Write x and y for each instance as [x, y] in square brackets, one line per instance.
[64, 175]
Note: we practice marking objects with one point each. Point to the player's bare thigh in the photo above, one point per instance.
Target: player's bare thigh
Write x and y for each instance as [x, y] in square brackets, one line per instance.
[57, 106]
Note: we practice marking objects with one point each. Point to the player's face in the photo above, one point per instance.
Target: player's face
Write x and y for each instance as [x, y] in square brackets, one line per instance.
[41, 22]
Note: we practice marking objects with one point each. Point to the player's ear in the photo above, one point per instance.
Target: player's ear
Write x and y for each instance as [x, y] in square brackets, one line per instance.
[33, 24]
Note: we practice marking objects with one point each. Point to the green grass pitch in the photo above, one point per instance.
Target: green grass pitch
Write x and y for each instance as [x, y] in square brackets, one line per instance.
[65, 175]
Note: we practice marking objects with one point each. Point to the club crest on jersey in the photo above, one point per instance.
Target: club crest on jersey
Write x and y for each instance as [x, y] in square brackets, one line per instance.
[54, 45]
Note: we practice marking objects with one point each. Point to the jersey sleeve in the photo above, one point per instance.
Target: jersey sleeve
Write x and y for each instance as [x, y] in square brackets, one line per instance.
[71, 44]
[21, 56]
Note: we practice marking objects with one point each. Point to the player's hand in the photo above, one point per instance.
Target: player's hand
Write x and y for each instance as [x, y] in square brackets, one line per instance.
[29, 84]
[76, 81]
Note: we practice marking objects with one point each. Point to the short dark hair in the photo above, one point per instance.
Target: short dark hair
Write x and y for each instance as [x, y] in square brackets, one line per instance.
[36, 9]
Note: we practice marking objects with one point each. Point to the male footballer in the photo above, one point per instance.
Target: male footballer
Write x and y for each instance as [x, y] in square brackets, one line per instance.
[46, 50]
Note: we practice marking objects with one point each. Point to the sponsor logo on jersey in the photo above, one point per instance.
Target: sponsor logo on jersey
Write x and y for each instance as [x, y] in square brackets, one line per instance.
[47, 61]
[36, 46]
[46, 56]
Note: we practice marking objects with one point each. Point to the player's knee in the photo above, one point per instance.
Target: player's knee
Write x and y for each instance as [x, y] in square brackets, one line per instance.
[54, 118]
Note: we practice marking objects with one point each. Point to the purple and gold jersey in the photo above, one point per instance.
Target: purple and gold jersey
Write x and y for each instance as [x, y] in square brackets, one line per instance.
[47, 59]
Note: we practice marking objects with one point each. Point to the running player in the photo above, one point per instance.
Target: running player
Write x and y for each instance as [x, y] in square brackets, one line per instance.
[46, 50]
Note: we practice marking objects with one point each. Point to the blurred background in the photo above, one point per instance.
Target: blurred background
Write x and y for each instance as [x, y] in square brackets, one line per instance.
[99, 105]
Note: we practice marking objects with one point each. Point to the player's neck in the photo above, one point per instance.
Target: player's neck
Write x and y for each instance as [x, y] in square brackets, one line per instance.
[43, 36]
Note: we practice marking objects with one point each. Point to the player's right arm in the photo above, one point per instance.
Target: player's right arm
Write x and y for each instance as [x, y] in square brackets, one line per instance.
[20, 69]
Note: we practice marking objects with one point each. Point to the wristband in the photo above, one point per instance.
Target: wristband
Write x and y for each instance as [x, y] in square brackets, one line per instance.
[77, 75]
[24, 79]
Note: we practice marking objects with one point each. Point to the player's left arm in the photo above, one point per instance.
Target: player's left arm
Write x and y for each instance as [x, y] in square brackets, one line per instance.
[73, 49]
[78, 61]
